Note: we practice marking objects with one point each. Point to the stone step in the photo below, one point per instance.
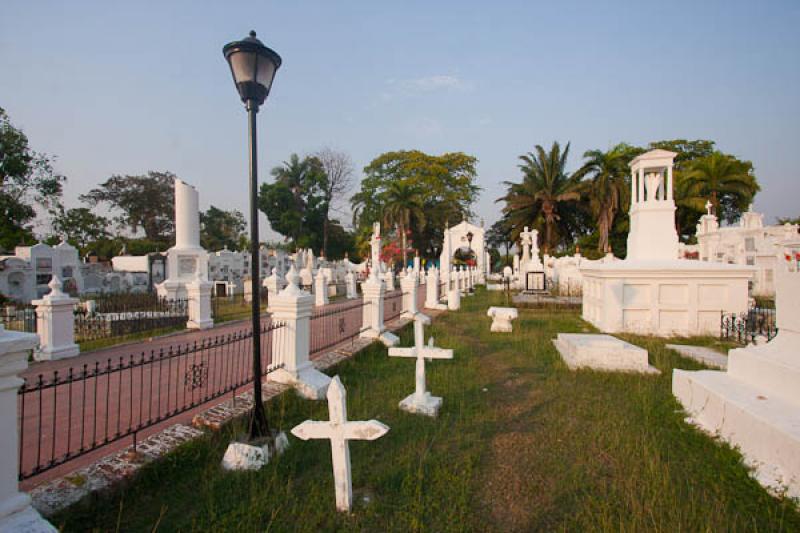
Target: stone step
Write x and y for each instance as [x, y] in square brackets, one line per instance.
[773, 368]
[765, 427]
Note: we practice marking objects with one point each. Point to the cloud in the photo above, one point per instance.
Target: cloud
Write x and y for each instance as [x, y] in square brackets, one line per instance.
[417, 87]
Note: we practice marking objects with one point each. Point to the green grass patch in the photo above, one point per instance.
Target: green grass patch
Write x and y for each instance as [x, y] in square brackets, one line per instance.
[521, 443]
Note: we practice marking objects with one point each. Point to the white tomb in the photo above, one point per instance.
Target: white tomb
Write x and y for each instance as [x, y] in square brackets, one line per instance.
[501, 318]
[340, 431]
[652, 292]
[187, 260]
[421, 401]
[602, 352]
[755, 404]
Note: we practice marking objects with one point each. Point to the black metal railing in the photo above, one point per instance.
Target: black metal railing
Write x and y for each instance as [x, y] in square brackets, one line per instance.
[109, 320]
[18, 318]
[335, 324]
[743, 328]
[392, 305]
[70, 413]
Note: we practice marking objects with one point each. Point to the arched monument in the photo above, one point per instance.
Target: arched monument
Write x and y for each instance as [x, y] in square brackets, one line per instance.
[467, 237]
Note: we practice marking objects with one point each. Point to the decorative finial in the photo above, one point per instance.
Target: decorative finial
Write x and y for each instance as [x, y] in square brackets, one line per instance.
[253, 33]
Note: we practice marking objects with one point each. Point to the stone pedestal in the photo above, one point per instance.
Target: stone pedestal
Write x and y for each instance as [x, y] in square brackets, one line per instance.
[199, 304]
[432, 290]
[373, 328]
[501, 318]
[454, 299]
[290, 344]
[350, 285]
[320, 289]
[388, 280]
[16, 513]
[55, 324]
[409, 285]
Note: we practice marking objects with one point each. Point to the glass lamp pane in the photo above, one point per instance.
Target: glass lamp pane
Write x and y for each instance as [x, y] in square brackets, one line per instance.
[265, 72]
[243, 66]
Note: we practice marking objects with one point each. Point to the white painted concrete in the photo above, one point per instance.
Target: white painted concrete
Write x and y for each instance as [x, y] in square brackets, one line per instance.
[55, 324]
[501, 318]
[602, 352]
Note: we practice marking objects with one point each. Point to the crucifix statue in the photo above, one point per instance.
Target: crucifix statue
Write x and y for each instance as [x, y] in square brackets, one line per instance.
[527, 241]
[421, 401]
[709, 206]
[340, 430]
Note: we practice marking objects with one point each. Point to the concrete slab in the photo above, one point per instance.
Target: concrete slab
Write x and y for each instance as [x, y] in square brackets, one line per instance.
[602, 352]
[702, 354]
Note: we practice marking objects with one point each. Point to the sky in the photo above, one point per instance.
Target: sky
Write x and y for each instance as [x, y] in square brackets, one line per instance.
[127, 87]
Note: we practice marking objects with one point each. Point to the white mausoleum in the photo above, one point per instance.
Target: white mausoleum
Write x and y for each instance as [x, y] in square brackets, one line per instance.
[748, 243]
[652, 292]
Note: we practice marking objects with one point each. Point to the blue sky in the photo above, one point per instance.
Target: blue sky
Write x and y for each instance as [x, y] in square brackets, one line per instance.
[122, 88]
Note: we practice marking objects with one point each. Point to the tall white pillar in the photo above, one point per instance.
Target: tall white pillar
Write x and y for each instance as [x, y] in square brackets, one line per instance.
[187, 216]
[320, 289]
[55, 324]
[16, 512]
[669, 182]
[291, 342]
[641, 185]
[633, 188]
[350, 285]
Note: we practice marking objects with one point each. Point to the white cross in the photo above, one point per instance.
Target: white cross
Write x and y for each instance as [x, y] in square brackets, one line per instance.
[421, 352]
[709, 205]
[339, 430]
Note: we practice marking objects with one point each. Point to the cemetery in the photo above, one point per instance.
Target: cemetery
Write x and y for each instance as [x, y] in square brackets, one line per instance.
[407, 338]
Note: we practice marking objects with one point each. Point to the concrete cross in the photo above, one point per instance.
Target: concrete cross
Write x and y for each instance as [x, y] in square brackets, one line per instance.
[709, 205]
[339, 430]
[421, 400]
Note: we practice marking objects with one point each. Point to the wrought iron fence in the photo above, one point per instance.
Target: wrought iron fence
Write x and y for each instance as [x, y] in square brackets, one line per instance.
[70, 413]
[743, 328]
[18, 318]
[332, 325]
[116, 320]
[392, 305]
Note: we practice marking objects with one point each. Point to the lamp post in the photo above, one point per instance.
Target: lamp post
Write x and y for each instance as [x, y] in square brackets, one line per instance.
[253, 67]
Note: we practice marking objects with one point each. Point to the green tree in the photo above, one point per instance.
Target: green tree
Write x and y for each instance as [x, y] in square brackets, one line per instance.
[446, 182]
[546, 199]
[402, 204]
[499, 234]
[144, 202]
[27, 179]
[788, 220]
[607, 188]
[295, 203]
[222, 229]
[81, 227]
[725, 181]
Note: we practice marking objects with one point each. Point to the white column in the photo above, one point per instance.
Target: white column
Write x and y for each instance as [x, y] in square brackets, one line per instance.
[320, 289]
[55, 324]
[669, 182]
[290, 343]
[199, 304]
[641, 184]
[633, 188]
[373, 328]
[16, 512]
[432, 289]
[350, 285]
[454, 293]
[409, 285]
[187, 216]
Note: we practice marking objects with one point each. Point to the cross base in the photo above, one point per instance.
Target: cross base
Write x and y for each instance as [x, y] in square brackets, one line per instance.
[309, 382]
[244, 456]
[426, 405]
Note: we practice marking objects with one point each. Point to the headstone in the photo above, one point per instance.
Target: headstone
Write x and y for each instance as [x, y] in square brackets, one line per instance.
[501, 318]
[320, 289]
[340, 431]
[350, 285]
[421, 401]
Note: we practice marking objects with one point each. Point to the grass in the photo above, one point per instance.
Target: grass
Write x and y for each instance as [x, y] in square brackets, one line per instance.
[521, 443]
[97, 344]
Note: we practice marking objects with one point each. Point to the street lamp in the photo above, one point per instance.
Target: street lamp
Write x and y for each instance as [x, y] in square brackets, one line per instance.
[469, 244]
[253, 67]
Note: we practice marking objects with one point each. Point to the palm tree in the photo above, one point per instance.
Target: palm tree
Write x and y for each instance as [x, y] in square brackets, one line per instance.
[606, 190]
[725, 181]
[302, 177]
[545, 196]
[402, 203]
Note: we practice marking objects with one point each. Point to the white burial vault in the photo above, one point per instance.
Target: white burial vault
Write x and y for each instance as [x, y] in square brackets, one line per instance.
[652, 292]
[602, 352]
[755, 404]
